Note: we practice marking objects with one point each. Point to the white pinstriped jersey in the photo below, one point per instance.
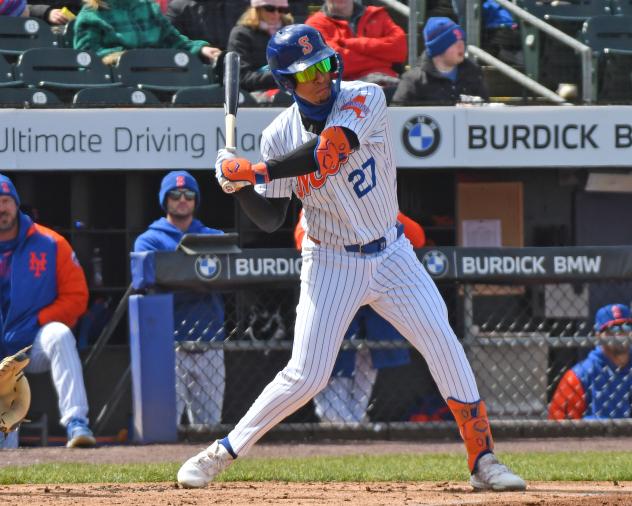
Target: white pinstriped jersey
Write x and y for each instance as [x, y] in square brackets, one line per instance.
[359, 203]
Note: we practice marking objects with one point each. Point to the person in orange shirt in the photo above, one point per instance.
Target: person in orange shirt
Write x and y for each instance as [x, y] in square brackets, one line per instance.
[43, 292]
[366, 37]
[346, 397]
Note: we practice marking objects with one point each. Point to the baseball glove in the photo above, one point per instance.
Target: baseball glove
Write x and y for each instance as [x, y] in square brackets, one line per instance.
[15, 393]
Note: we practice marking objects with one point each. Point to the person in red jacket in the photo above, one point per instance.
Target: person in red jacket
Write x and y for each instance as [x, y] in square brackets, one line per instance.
[43, 292]
[366, 37]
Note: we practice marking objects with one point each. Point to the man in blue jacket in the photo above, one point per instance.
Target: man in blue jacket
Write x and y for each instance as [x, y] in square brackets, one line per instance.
[200, 374]
[43, 292]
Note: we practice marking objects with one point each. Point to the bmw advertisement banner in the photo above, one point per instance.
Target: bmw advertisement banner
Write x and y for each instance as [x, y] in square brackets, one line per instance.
[422, 137]
[173, 270]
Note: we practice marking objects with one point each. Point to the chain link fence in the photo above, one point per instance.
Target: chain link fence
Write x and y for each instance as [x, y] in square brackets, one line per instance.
[521, 340]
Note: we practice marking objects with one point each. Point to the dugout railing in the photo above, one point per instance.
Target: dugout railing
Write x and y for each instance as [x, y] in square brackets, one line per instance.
[524, 317]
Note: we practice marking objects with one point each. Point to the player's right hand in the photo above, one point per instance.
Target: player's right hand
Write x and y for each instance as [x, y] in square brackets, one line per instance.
[227, 185]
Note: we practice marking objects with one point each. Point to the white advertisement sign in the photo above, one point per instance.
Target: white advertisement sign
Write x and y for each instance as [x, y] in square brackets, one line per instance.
[423, 137]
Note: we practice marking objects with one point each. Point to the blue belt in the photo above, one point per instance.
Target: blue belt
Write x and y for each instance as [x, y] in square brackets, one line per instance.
[373, 246]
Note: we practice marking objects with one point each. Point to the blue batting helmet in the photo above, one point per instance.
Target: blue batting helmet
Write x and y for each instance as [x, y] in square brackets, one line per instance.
[294, 48]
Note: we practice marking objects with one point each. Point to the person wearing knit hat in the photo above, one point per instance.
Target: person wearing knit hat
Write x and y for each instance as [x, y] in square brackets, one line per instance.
[43, 293]
[599, 386]
[200, 374]
[14, 8]
[249, 39]
[444, 75]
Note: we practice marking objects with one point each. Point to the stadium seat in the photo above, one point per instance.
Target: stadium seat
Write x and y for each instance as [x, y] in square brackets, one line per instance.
[161, 69]
[569, 10]
[610, 38]
[64, 68]
[546, 59]
[212, 95]
[27, 97]
[19, 34]
[622, 7]
[68, 33]
[6, 74]
[121, 96]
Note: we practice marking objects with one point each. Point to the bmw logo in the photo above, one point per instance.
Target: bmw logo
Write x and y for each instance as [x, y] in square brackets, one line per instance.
[436, 263]
[421, 136]
[208, 267]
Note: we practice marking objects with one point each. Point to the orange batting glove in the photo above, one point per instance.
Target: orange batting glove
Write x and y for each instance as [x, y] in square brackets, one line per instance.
[333, 150]
[241, 170]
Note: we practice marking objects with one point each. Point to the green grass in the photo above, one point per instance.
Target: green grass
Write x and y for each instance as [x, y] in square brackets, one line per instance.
[569, 466]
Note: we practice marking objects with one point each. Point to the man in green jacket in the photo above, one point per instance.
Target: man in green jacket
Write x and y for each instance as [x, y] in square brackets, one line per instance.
[111, 27]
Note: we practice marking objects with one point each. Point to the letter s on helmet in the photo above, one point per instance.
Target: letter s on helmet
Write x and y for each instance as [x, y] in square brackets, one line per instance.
[294, 48]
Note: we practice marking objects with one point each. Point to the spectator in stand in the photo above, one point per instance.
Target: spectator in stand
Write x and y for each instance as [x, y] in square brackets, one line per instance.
[111, 27]
[200, 375]
[444, 75]
[43, 292]
[209, 20]
[366, 37]
[346, 397]
[14, 8]
[600, 387]
[250, 39]
[53, 12]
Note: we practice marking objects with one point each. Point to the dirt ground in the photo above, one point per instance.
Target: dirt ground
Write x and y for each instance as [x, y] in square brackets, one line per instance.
[326, 494]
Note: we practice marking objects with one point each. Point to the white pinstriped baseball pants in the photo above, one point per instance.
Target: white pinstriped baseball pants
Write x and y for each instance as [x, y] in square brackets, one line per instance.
[334, 284]
[55, 350]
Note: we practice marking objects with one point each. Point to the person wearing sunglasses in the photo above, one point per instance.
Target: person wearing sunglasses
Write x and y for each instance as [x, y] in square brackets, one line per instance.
[200, 374]
[371, 44]
[333, 149]
[600, 387]
[249, 38]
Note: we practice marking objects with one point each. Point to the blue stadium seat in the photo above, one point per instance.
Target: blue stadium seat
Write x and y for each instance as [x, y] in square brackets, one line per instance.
[19, 34]
[161, 69]
[64, 68]
[121, 96]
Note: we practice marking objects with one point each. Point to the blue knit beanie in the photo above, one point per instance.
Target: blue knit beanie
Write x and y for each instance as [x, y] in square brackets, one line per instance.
[440, 34]
[178, 179]
[7, 188]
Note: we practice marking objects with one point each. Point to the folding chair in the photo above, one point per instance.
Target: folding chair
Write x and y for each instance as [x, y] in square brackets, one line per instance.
[19, 34]
[115, 97]
[161, 69]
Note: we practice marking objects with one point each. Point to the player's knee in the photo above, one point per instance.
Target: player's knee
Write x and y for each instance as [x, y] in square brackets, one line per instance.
[308, 382]
[56, 334]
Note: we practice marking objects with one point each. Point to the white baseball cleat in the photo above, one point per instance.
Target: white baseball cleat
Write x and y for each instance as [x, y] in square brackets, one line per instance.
[201, 469]
[492, 475]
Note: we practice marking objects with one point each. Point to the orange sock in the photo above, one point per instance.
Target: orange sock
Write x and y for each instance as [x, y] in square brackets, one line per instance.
[471, 417]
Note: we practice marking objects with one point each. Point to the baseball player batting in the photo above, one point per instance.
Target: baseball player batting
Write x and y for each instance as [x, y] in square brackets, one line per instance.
[333, 149]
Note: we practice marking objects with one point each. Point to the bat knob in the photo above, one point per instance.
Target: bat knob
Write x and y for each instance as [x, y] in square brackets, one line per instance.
[228, 187]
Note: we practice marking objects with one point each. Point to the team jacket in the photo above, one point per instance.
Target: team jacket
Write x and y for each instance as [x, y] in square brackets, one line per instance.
[370, 42]
[47, 285]
[196, 317]
[593, 389]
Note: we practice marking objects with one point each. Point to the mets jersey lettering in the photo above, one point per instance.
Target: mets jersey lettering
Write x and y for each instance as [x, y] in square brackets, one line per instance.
[357, 203]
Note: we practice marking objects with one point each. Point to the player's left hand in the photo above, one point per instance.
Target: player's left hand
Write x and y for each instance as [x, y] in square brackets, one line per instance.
[241, 172]
[227, 186]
